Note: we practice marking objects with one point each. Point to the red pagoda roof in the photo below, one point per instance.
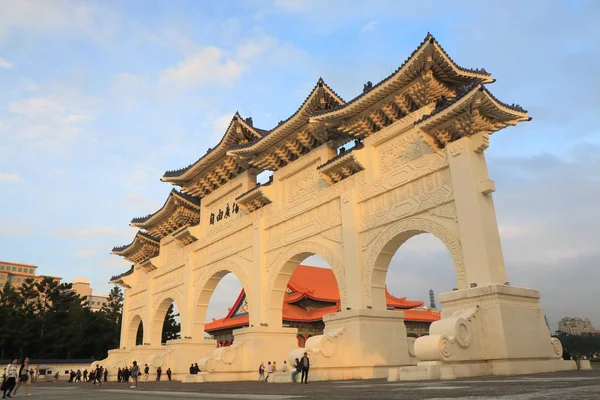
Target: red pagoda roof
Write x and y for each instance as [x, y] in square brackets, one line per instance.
[317, 284]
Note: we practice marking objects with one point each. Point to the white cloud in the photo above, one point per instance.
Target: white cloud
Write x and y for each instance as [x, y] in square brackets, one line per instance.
[254, 48]
[54, 116]
[5, 63]
[57, 17]
[127, 83]
[211, 65]
[9, 177]
[369, 26]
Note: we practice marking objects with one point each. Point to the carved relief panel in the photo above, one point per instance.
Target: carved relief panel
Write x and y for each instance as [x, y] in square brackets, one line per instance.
[301, 226]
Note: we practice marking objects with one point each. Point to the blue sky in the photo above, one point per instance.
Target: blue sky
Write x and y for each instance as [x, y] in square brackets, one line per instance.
[98, 99]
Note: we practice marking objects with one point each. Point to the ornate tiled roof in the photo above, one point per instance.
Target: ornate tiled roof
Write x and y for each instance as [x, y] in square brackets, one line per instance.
[429, 40]
[282, 124]
[138, 235]
[359, 145]
[267, 183]
[463, 91]
[211, 152]
[124, 274]
[184, 196]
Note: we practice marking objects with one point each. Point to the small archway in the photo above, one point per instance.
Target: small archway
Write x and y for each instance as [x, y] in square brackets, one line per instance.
[166, 314]
[284, 267]
[134, 327]
[386, 245]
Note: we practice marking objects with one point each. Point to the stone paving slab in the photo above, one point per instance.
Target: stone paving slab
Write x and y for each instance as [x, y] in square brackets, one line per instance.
[580, 385]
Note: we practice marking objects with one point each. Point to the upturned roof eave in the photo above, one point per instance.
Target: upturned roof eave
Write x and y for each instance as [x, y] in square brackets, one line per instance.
[187, 173]
[285, 127]
[167, 208]
[366, 98]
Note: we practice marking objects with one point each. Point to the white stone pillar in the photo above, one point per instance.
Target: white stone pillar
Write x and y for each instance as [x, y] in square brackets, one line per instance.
[351, 252]
[480, 239]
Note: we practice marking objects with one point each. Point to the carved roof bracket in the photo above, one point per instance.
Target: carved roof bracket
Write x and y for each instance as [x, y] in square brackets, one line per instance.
[184, 237]
[147, 265]
[257, 197]
[342, 166]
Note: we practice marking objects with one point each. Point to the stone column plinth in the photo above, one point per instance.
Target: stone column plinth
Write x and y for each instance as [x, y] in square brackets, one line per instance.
[489, 330]
[251, 346]
[357, 344]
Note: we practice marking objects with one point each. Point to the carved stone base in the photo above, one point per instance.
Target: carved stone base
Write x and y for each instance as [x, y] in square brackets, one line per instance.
[357, 344]
[176, 354]
[437, 370]
[251, 346]
[490, 330]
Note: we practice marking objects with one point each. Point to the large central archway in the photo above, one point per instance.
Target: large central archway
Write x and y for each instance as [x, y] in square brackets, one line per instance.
[283, 268]
[390, 240]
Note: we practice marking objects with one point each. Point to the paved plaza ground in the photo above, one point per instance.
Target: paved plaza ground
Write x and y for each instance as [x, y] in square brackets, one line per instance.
[581, 385]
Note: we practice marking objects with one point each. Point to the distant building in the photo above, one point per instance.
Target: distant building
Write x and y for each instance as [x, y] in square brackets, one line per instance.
[16, 273]
[575, 326]
[82, 287]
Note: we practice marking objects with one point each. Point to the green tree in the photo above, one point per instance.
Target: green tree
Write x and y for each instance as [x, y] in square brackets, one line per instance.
[171, 326]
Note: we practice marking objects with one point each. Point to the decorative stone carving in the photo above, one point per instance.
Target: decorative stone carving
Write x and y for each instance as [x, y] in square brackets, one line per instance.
[447, 210]
[222, 357]
[557, 348]
[399, 151]
[451, 338]
[335, 235]
[420, 195]
[416, 225]
[455, 148]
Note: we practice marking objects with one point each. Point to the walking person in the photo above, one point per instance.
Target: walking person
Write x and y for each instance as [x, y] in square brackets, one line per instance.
[85, 375]
[135, 370]
[146, 373]
[105, 375]
[269, 371]
[169, 374]
[158, 373]
[23, 377]
[11, 379]
[261, 371]
[305, 362]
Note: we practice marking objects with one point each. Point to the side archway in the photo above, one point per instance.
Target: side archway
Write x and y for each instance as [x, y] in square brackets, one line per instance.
[282, 269]
[390, 240]
[206, 280]
[133, 325]
[158, 315]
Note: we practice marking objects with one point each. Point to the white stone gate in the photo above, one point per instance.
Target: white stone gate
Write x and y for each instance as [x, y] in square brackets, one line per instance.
[417, 166]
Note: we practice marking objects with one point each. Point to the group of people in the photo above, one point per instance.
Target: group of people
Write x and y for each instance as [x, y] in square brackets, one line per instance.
[96, 375]
[14, 377]
[194, 369]
[300, 366]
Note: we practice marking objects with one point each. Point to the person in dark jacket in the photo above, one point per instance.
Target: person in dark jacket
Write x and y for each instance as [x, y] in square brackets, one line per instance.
[305, 363]
[169, 374]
